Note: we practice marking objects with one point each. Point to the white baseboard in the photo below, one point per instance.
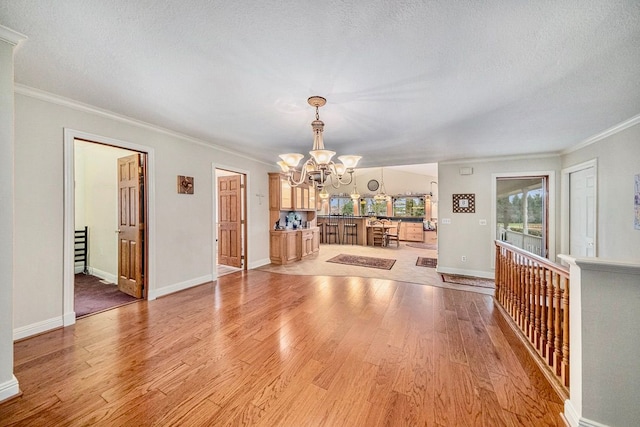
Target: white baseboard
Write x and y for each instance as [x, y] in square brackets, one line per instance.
[166, 290]
[576, 420]
[259, 263]
[78, 269]
[111, 278]
[570, 414]
[9, 388]
[463, 272]
[37, 328]
[69, 319]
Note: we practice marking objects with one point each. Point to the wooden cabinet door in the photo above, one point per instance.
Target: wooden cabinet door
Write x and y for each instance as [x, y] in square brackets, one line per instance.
[274, 191]
[292, 247]
[315, 242]
[305, 197]
[312, 198]
[286, 199]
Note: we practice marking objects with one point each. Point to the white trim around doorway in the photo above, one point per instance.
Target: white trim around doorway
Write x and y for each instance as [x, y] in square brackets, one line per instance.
[70, 135]
[565, 203]
[214, 207]
[551, 208]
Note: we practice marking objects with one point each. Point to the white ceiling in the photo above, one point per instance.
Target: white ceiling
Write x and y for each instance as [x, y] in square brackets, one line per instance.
[406, 82]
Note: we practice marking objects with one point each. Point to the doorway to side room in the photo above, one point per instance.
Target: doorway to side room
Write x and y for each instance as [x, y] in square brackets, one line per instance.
[110, 212]
[230, 218]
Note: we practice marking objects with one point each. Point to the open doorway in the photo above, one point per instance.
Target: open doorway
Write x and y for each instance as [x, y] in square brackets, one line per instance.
[109, 222]
[231, 224]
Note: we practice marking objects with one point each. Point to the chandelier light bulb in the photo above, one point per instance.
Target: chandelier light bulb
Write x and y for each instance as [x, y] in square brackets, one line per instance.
[322, 157]
[292, 159]
[349, 161]
[340, 169]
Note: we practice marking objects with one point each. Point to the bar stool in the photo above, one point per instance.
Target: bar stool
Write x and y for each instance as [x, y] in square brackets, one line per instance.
[333, 228]
[321, 227]
[349, 230]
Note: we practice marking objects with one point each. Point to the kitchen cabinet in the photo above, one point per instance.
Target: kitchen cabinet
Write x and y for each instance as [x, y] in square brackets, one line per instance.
[280, 193]
[411, 232]
[287, 246]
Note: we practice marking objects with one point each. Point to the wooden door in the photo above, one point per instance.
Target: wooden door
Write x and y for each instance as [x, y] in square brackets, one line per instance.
[130, 225]
[230, 220]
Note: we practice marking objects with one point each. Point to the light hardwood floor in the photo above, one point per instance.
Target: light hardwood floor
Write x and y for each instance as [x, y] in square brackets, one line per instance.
[260, 348]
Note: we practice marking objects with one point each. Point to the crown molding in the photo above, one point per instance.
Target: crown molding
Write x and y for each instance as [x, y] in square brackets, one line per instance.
[10, 36]
[79, 106]
[500, 158]
[604, 134]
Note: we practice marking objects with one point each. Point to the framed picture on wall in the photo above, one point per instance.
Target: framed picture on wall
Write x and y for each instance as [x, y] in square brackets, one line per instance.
[464, 203]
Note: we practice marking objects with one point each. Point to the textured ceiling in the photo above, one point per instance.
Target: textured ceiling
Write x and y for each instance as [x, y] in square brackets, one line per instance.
[406, 82]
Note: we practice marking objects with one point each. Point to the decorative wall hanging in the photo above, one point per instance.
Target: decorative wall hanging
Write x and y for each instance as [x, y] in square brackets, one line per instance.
[464, 203]
[185, 184]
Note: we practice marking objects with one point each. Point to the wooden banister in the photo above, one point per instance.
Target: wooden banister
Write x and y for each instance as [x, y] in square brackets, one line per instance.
[533, 293]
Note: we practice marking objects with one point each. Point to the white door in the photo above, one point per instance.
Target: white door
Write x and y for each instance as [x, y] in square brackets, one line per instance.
[582, 213]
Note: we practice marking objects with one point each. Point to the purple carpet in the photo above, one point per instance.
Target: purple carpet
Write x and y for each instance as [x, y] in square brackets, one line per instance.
[92, 295]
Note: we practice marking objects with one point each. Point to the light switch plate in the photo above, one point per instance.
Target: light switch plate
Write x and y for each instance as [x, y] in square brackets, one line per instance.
[483, 222]
[446, 220]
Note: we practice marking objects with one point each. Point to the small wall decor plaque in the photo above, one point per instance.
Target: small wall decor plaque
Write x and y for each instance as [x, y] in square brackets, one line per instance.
[185, 184]
[464, 203]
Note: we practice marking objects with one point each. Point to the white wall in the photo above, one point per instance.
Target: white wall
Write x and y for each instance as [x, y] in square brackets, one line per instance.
[96, 200]
[395, 182]
[464, 235]
[184, 223]
[618, 158]
[8, 383]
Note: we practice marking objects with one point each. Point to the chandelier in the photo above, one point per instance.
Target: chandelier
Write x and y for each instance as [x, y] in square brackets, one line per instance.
[319, 170]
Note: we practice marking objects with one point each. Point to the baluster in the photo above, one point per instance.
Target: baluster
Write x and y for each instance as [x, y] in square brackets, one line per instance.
[523, 292]
[525, 299]
[536, 314]
[531, 299]
[550, 341]
[498, 273]
[512, 286]
[557, 319]
[543, 311]
[518, 287]
[565, 333]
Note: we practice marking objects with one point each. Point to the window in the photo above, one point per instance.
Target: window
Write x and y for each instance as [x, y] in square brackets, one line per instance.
[371, 207]
[408, 206]
[522, 213]
[340, 206]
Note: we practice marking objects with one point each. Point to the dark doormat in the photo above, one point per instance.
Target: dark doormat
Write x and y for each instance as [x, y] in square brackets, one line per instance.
[427, 262]
[363, 261]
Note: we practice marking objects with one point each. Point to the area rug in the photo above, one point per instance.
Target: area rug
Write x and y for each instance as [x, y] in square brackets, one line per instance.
[468, 280]
[93, 295]
[427, 262]
[423, 246]
[363, 261]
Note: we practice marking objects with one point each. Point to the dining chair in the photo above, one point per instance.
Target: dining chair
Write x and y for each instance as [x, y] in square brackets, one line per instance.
[393, 235]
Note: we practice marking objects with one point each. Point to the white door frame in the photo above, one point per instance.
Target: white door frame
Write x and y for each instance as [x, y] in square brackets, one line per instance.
[565, 204]
[247, 209]
[70, 135]
[551, 208]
